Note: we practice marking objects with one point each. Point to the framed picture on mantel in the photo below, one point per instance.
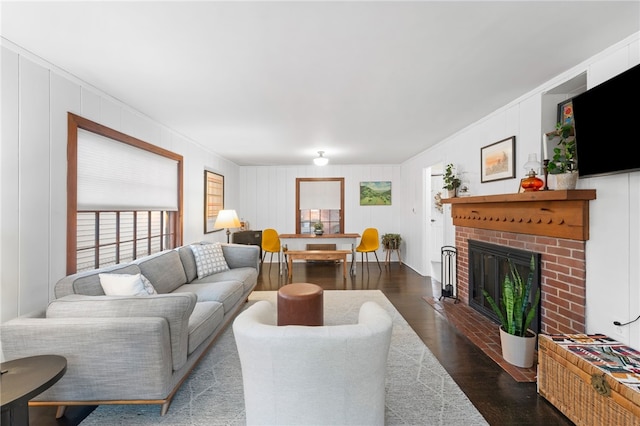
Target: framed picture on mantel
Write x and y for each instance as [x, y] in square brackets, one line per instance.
[497, 161]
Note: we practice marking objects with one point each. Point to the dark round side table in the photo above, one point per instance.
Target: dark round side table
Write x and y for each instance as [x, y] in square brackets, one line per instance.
[24, 378]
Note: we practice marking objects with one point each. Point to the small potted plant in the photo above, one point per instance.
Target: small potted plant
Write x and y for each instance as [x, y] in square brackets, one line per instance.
[391, 241]
[451, 181]
[518, 342]
[318, 228]
[563, 163]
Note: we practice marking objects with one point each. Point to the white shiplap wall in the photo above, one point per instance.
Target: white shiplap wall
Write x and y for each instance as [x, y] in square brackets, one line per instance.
[268, 197]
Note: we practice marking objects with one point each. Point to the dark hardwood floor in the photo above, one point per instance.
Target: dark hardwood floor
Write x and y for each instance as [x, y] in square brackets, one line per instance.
[500, 399]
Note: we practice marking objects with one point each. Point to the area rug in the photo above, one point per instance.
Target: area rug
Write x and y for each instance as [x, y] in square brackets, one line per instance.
[418, 389]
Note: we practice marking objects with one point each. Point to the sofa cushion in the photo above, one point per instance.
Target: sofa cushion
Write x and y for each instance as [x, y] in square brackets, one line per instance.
[175, 308]
[241, 255]
[226, 292]
[205, 318]
[188, 263]
[209, 259]
[164, 270]
[247, 276]
[126, 285]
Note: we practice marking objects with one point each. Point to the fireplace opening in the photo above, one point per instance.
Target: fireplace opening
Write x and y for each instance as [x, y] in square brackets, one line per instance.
[488, 265]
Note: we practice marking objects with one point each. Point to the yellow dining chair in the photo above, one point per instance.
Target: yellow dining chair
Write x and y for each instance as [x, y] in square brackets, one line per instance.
[370, 242]
[270, 244]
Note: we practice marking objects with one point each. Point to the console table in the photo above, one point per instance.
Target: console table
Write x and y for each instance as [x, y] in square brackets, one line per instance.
[23, 379]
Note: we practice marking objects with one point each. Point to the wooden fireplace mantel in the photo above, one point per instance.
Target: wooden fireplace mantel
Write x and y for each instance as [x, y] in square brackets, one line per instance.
[555, 213]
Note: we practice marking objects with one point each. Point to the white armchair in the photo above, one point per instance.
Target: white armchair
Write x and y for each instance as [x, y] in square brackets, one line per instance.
[313, 375]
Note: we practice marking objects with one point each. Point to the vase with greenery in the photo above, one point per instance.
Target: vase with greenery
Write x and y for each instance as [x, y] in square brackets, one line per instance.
[450, 180]
[515, 314]
[391, 241]
[564, 157]
[318, 228]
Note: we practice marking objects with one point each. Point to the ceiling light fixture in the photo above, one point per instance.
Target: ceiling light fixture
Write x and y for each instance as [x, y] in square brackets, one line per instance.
[320, 160]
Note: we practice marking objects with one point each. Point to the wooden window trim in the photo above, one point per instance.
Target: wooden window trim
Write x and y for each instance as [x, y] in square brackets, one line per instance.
[328, 179]
[75, 122]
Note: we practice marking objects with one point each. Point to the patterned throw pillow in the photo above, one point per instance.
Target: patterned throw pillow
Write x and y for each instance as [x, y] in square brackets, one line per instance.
[209, 259]
[126, 285]
[147, 285]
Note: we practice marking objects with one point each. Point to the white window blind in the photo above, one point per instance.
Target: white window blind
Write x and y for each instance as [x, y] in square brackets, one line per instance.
[320, 195]
[116, 176]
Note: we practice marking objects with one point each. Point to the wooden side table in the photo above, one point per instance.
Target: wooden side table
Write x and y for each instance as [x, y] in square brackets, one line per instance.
[24, 378]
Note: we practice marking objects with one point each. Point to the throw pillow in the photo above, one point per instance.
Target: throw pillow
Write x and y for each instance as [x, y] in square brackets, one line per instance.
[126, 285]
[147, 285]
[209, 259]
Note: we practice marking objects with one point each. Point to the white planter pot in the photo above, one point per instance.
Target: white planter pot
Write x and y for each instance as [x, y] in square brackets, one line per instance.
[516, 350]
[566, 180]
[451, 193]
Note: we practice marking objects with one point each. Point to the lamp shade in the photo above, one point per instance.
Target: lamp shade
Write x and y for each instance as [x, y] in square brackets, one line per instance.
[227, 219]
[320, 160]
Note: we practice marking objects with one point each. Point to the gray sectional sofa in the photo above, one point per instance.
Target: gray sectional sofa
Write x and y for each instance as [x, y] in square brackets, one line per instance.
[134, 349]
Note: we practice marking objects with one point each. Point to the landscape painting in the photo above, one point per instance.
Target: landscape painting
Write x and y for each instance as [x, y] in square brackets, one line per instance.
[376, 193]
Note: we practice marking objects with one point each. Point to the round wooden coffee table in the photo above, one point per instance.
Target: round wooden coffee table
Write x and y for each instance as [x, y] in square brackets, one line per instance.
[24, 378]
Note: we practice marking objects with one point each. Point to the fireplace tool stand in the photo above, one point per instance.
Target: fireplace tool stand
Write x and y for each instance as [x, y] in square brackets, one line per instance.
[449, 273]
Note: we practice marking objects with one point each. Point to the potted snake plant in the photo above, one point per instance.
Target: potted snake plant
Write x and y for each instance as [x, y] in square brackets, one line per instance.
[515, 313]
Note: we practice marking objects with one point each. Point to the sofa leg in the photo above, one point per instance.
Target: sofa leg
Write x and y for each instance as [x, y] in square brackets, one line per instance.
[60, 411]
[165, 408]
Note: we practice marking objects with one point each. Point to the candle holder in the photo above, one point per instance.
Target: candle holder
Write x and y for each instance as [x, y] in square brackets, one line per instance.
[545, 168]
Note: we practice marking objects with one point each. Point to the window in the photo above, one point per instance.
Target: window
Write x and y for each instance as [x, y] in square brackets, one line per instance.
[124, 197]
[320, 199]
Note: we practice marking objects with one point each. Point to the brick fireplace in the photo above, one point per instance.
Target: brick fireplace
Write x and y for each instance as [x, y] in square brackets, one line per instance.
[552, 223]
[562, 274]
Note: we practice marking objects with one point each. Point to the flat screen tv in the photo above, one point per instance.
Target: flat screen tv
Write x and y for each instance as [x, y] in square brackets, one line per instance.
[605, 117]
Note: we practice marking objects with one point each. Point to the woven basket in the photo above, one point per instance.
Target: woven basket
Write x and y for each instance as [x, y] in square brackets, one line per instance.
[583, 392]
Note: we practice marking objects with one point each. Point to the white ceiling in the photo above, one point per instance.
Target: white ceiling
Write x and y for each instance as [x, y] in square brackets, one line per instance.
[272, 83]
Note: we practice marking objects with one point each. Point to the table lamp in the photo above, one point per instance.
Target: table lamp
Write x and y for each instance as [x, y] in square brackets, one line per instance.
[227, 219]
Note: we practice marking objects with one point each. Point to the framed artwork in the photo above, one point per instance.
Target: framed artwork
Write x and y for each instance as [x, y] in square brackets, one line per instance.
[565, 112]
[497, 161]
[377, 193]
[213, 199]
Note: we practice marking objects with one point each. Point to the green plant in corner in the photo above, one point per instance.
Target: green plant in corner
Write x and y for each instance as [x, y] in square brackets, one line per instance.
[564, 154]
[451, 181]
[391, 241]
[515, 312]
